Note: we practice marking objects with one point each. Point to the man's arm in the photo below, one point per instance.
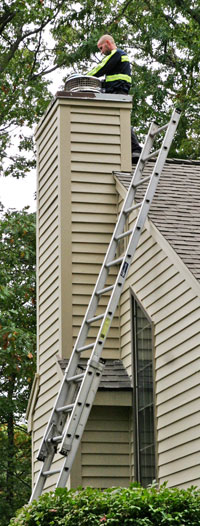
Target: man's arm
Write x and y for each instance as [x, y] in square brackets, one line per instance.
[104, 67]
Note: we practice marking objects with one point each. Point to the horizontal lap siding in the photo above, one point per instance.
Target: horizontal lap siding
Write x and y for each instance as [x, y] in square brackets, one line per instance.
[48, 235]
[174, 308]
[178, 381]
[48, 281]
[106, 448]
[95, 147]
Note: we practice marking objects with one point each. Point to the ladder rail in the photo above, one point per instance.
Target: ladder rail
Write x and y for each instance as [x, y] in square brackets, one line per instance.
[57, 419]
[37, 490]
[64, 474]
[92, 376]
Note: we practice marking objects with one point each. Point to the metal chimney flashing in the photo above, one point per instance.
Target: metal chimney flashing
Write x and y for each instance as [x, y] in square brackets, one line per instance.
[91, 95]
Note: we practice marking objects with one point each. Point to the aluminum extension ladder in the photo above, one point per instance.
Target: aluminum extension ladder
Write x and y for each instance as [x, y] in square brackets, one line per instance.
[77, 391]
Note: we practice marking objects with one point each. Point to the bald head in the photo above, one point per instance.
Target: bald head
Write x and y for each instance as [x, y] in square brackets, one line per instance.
[106, 44]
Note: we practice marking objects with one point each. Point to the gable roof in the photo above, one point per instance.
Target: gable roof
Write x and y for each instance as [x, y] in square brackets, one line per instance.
[175, 209]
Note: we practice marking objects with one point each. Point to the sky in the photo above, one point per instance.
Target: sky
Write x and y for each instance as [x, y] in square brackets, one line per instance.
[18, 193]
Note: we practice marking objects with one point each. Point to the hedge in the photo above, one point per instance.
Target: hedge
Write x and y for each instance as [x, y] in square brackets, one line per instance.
[113, 507]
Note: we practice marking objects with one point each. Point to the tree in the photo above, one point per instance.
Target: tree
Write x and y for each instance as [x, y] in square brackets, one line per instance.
[17, 354]
[165, 36]
[12, 499]
[28, 55]
[162, 38]
[25, 60]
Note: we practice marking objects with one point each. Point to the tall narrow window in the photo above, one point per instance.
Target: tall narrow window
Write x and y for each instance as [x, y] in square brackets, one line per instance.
[145, 471]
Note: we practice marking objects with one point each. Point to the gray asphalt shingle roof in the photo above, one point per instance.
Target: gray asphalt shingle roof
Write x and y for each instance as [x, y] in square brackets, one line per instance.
[114, 375]
[175, 209]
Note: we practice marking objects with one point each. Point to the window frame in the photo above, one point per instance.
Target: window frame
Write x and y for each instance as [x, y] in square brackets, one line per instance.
[137, 467]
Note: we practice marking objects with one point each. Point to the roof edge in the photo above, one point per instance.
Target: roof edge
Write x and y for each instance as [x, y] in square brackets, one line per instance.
[183, 161]
[117, 380]
[171, 253]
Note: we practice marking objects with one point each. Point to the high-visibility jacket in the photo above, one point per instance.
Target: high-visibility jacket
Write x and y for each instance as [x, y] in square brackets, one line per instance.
[117, 70]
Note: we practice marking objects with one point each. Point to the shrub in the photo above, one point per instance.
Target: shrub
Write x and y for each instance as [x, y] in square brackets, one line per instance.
[113, 507]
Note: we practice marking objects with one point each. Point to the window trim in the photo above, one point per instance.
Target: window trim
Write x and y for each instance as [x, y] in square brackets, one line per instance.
[137, 477]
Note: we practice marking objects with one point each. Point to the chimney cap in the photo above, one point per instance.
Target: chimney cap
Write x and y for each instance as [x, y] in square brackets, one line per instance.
[77, 83]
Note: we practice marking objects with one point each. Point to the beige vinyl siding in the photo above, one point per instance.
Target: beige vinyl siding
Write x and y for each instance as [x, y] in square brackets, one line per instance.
[48, 279]
[78, 147]
[171, 299]
[95, 153]
[106, 448]
[132, 445]
[48, 241]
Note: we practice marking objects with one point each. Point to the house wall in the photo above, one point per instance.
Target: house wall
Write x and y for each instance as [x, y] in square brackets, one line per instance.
[171, 298]
[80, 142]
[106, 448]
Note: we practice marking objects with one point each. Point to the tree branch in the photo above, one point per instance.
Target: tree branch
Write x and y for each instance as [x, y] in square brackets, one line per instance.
[45, 72]
[22, 480]
[35, 56]
[194, 13]
[22, 36]
[120, 14]
[8, 57]
[5, 19]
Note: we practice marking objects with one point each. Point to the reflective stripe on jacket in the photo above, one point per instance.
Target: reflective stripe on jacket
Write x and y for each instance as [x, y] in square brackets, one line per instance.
[116, 67]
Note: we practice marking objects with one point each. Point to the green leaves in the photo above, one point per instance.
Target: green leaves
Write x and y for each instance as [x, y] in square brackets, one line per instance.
[17, 354]
[23, 95]
[113, 507]
[21, 476]
[167, 50]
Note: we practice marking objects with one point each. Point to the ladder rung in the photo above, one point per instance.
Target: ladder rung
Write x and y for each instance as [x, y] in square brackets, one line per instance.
[124, 234]
[49, 473]
[162, 128]
[154, 154]
[57, 438]
[85, 347]
[115, 261]
[95, 318]
[143, 180]
[103, 291]
[65, 408]
[131, 208]
[75, 378]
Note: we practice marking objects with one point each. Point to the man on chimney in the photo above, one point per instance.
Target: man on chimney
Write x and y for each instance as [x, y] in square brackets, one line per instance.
[117, 71]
